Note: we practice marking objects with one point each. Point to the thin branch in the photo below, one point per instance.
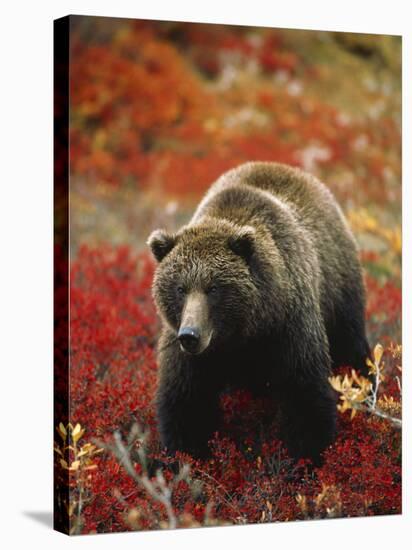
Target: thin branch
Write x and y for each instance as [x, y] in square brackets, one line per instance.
[159, 491]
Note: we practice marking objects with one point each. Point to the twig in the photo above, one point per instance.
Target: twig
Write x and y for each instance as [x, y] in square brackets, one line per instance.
[159, 491]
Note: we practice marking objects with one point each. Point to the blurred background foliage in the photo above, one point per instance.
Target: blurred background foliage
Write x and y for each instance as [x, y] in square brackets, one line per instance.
[160, 109]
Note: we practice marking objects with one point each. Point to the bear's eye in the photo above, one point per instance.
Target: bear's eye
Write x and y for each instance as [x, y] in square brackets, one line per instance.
[180, 290]
[212, 289]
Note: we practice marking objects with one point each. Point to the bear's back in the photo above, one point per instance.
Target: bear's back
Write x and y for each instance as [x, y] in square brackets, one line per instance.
[294, 207]
[255, 192]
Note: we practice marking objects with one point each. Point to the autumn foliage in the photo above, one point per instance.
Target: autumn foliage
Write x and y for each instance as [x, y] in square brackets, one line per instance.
[157, 112]
[250, 477]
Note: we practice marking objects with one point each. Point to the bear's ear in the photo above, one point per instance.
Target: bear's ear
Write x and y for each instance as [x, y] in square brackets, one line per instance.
[161, 243]
[243, 242]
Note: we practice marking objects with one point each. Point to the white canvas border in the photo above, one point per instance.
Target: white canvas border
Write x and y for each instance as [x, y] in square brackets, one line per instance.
[26, 268]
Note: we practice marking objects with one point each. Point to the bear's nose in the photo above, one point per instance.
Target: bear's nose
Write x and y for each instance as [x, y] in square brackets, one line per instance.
[189, 338]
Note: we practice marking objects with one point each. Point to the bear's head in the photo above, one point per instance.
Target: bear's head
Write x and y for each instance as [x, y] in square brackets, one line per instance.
[207, 285]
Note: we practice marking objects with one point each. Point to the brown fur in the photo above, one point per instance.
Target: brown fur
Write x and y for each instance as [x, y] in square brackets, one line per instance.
[273, 263]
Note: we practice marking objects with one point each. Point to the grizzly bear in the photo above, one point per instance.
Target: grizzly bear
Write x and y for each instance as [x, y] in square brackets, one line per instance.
[262, 289]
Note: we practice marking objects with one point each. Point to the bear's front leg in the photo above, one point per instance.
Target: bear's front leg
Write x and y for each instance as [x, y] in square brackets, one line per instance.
[187, 405]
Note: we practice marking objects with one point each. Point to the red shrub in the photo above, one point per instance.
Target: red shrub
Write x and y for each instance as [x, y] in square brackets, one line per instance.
[112, 328]
[249, 477]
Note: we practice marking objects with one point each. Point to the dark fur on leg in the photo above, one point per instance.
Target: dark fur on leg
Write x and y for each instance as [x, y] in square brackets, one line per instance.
[307, 400]
[309, 420]
[347, 336]
[187, 407]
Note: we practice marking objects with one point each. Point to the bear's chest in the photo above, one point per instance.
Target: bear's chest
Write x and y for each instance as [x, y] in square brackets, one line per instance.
[253, 365]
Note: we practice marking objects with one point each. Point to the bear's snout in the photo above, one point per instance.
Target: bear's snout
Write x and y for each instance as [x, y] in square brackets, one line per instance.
[189, 338]
[195, 332]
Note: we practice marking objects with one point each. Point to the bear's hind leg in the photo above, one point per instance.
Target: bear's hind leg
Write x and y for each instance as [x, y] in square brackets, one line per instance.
[308, 418]
[308, 403]
[347, 338]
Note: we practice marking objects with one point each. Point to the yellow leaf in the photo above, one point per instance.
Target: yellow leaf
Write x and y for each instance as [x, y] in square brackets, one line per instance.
[62, 428]
[377, 354]
[335, 382]
[62, 431]
[97, 451]
[75, 465]
[76, 430]
[356, 377]
[82, 453]
[77, 433]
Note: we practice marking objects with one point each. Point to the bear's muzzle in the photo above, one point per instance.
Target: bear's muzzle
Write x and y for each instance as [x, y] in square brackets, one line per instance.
[195, 332]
